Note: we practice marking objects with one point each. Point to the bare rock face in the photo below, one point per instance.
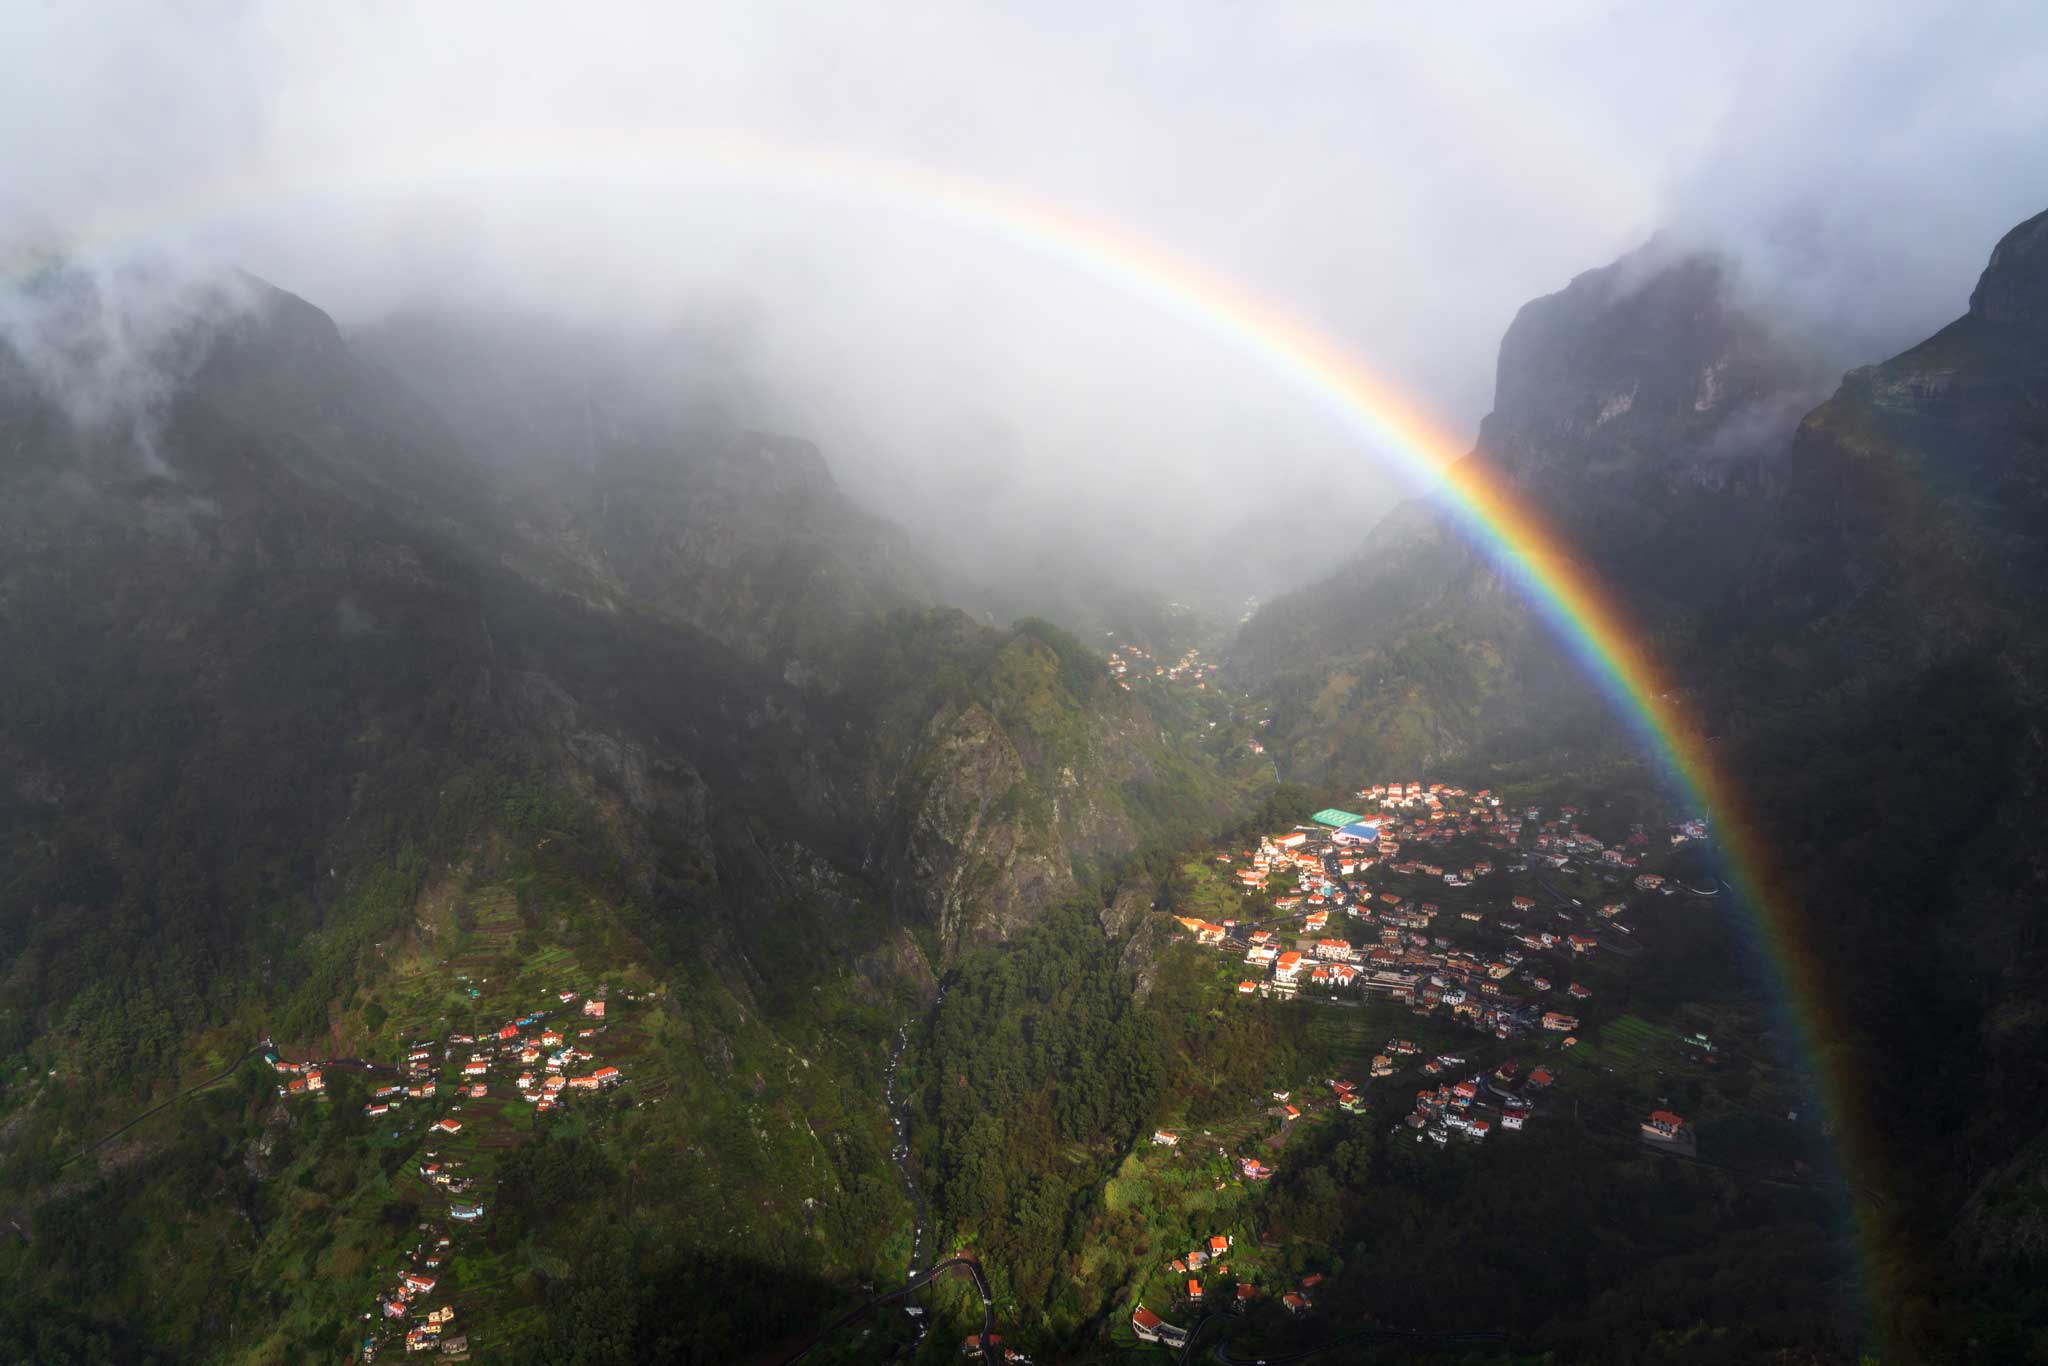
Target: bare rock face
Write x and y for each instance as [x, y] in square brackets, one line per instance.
[2014, 287]
[1916, 515]
[1644, 411]
[969, 864]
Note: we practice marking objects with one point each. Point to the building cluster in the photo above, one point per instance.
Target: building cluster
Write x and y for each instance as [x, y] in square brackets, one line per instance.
[429, 1328]
[545, 1062]
[1339, 927]
[300, 1078]
[1237, 1296]
[1133, 663]
[1471, 1108]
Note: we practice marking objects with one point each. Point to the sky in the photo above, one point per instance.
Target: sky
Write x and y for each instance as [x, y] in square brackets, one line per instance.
[1401, 178]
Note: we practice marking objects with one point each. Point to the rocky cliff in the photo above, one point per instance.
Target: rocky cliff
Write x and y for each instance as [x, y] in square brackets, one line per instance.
[1642, 410]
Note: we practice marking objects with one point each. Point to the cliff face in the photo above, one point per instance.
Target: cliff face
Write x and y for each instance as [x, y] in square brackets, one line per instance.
[1034, 776]
[1643, 412]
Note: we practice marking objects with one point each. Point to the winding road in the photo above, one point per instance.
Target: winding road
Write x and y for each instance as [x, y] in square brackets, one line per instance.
[165, 1105]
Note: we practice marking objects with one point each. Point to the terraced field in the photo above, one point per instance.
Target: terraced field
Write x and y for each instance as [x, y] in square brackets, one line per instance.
[1629, 1045]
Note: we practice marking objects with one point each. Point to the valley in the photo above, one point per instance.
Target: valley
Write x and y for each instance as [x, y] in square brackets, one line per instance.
[677, 933]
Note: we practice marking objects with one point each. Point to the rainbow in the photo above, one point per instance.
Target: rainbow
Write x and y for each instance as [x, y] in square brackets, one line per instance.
[1584, 615]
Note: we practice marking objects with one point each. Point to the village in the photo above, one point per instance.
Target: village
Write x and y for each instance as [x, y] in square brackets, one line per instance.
[545, 1058]
[1130, 663]
[1439, 903]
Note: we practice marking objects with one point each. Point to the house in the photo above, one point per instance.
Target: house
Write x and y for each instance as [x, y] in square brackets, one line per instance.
[1577, 992]
[1151, 1328]
[1558, 1023]
[1662, 1124]
[1246, 1293]
[1247, 987]
[447, 1126]
[1540, 1078]
[1165, 1138]
[315, 1081]
[1582, 943]
[1194, 1290]
[1297, 1304]
[468, 1214]
[594, 1009]
[417, 1284]
[1513, 1119]
[1219, 1244]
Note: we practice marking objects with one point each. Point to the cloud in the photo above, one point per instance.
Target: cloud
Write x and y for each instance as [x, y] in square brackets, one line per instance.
[110, 342]
[1403, 180]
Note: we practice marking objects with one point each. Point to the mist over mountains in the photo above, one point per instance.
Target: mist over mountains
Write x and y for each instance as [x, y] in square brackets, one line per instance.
[317, 644]
[676, 680]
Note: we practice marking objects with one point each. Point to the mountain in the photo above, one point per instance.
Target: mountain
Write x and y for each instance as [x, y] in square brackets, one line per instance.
[1848, 592]
[1881, 680]
[1640, 410]
[337, 714]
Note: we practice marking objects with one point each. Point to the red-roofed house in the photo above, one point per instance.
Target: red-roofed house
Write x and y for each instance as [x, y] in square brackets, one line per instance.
[1662, 1124]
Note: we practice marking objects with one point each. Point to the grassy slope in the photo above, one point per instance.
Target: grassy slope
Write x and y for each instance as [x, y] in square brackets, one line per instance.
[240, 1227]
